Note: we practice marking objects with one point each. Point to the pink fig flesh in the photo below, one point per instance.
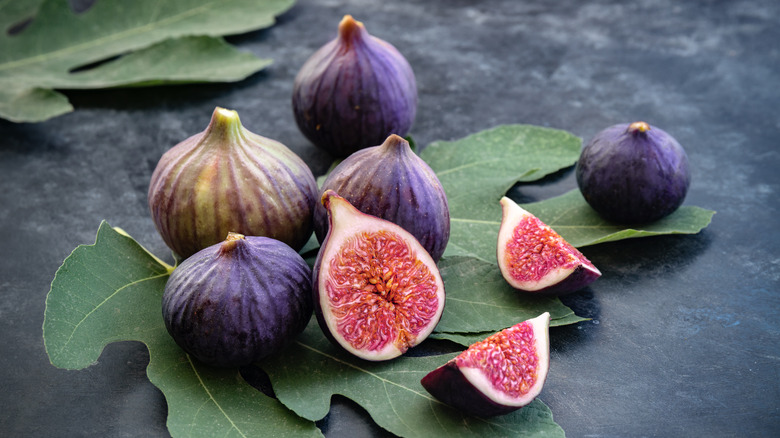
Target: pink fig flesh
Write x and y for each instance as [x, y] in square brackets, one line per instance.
[498, 375]
[534, 258]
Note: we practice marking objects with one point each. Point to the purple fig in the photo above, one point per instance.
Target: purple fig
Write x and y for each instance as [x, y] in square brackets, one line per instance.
[377, 292]
[238, 301]
[228, 179]
[391, 182]
[354, 91]
[498, 375]
[534, 258]
[633, 173]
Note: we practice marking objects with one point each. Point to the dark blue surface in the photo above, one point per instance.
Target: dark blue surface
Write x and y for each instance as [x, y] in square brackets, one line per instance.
[685, 332]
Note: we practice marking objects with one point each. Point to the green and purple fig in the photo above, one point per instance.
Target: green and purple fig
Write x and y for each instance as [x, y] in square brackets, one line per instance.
[228, 179]
[354, 91]
[238, 301]
[377, 292]
[532, 257]
[391, 182]
[498, 375]
[633, 173]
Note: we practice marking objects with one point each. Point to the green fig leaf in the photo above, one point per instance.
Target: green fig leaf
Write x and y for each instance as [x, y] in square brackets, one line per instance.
[111, 291]
[127, 43]
[477, 170]
[479, 300]
[308, 373]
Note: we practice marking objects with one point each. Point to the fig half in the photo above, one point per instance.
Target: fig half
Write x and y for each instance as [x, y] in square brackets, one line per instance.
[498, 375]
[534, 258]
[377, 292]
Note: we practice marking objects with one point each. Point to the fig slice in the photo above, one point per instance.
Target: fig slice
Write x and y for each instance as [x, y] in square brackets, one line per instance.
[534, 258]
[377, 292]
[497, 375]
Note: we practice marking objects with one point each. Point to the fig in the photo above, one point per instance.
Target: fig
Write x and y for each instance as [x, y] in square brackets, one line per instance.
[238, 301]
[354, 91]
[228, 179]
[497, 375]
[377, 292]
[633, 173]
[391, 182]
[534, 258]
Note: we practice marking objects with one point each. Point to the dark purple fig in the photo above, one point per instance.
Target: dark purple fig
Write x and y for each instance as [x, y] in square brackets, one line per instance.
[377, 292]
[534, 258]
[228, 179]
[238, 301]
[498, 375]
[633, 173]
[354, 91]
[391, 182]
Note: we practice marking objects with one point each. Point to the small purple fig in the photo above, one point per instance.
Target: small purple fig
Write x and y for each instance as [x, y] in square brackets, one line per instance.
[354, 91]
[532, 257]
[228, 179]
[377, 292]
[391, 182]
[238, 301]
[633, 173]
[498, 375]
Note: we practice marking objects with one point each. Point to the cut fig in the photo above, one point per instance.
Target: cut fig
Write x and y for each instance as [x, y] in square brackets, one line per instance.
[377, 292]
[498, 375]
[534, 258]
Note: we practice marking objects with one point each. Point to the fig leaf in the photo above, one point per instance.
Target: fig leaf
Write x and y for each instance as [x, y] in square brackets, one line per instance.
[123, 46]
[477, 170]
[111, 291]
[311, 371]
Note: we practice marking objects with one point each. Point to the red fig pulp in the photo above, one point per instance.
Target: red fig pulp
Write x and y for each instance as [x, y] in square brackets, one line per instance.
[498, 375]
[377, 292]
[534, 258]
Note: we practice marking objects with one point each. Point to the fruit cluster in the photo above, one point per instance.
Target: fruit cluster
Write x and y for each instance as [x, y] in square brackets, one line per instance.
[382, 220]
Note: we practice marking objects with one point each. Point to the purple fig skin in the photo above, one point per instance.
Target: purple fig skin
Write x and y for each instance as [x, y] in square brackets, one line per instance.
[238, 301]
[354, 91]
[391, 182]
[633, 173]
[468, 381]
[228, 179]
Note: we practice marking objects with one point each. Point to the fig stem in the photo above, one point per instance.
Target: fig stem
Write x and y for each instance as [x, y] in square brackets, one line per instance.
[225, 124]
[638, 127]
[350, 29]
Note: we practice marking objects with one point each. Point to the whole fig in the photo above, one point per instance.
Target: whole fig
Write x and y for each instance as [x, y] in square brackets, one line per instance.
[633, 173]
[225, 179]
[532, 257]
[238, 301]
[497, 375]
[391, 182]
[377, 292]
[354, 91]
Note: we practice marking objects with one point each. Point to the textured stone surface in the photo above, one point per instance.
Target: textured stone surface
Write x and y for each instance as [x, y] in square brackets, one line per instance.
[685, 335]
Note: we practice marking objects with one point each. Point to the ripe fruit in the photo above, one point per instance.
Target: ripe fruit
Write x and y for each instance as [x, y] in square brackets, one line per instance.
[228, 179]
[633, 173]
[238, 301]
[377, 292]
[354, 91]
[534, 258]
[391, 182]
[498, 375]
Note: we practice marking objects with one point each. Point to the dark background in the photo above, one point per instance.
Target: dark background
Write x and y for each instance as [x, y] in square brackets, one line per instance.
[684, 337]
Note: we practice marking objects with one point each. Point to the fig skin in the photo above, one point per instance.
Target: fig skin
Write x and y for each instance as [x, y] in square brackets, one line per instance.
[354, 91]
[391, 182]
[418, 286]
[228, 179]
[467, 386]
[238, 301]
[533, 258]
[633, 173]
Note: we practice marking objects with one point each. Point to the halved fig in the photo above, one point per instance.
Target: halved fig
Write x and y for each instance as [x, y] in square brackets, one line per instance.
[498, 375]
[534, 258]
[377, 292]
